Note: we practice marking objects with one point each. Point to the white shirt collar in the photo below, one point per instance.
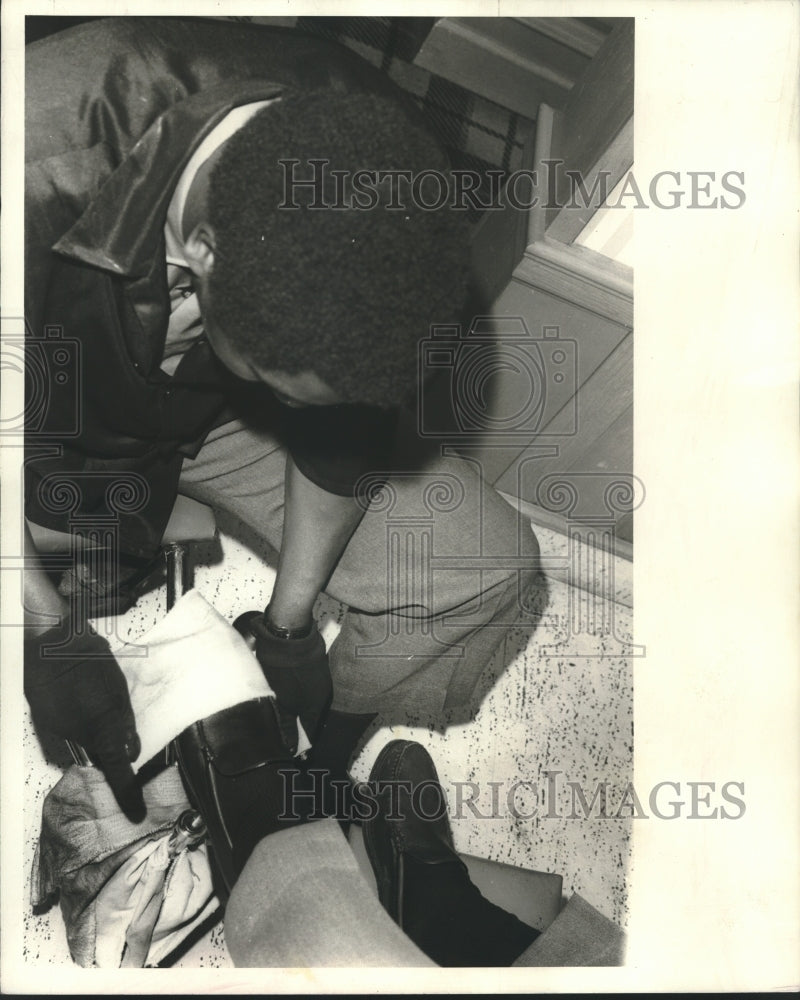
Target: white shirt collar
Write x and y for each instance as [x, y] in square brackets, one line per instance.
[231, 123]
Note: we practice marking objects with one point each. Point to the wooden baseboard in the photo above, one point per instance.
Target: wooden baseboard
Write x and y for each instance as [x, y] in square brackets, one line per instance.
[619, 589]
[579, 275]
[556, 522]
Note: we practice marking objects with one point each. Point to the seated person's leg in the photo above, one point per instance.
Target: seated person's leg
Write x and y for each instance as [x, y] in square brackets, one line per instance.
[433, 578]
[297, 895]
[420, 628]
[579, 936]
[302, 902]
[422, 883]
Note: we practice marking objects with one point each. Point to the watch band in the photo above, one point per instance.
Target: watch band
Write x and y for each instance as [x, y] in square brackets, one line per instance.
[282, 632]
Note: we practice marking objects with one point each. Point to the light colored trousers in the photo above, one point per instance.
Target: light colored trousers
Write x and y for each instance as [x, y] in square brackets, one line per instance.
[303, 902]
[435, 574]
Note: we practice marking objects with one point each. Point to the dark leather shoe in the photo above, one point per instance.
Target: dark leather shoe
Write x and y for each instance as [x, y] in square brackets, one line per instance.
[232, 765]
[422, 883]
[411, 821]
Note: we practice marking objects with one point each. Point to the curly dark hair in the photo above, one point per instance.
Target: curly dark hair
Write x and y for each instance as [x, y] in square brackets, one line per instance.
[346, 292]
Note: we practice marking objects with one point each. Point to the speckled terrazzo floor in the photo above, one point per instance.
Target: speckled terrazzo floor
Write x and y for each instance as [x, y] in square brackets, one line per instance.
[561, 713]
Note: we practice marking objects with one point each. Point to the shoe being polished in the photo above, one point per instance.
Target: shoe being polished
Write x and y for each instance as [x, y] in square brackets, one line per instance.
[411, 823]
[232, 764]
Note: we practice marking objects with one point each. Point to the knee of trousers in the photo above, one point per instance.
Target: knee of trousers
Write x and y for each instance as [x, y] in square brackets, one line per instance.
[385, 588]
[524, 573]
[531, 555]
[530, 551]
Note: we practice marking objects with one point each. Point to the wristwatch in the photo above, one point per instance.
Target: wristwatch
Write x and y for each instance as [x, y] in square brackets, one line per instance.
[282, 632]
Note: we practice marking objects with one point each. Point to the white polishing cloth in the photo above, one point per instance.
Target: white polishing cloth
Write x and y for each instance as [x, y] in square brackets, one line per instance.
[190, 665]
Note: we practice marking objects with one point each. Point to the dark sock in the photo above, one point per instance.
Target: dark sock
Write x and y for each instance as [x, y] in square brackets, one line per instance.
[446, 916]
[322, 787]
[337, 741]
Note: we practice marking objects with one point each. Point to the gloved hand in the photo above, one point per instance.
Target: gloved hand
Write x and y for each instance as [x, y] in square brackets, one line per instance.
[80, 694]
[297, 671]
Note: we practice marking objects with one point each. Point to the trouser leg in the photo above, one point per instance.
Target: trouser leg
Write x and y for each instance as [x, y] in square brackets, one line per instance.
[435, 574]
[303, 902]
[579, 936]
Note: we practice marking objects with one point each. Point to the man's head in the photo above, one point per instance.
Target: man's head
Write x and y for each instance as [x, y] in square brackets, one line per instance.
[327, 303]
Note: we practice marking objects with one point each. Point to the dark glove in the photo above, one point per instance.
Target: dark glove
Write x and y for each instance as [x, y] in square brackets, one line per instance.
[78, 692]
[296, 670]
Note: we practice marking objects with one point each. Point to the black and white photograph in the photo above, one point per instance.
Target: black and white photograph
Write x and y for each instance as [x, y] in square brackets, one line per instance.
[399, 483]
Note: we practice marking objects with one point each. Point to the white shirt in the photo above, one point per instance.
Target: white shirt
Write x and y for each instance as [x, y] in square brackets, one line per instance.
[185, 322]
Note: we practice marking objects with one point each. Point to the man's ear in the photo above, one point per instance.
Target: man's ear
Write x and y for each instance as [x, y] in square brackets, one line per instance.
[199, 248]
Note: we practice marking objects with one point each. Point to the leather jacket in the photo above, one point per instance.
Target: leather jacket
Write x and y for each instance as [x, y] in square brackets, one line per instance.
[114, 110]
